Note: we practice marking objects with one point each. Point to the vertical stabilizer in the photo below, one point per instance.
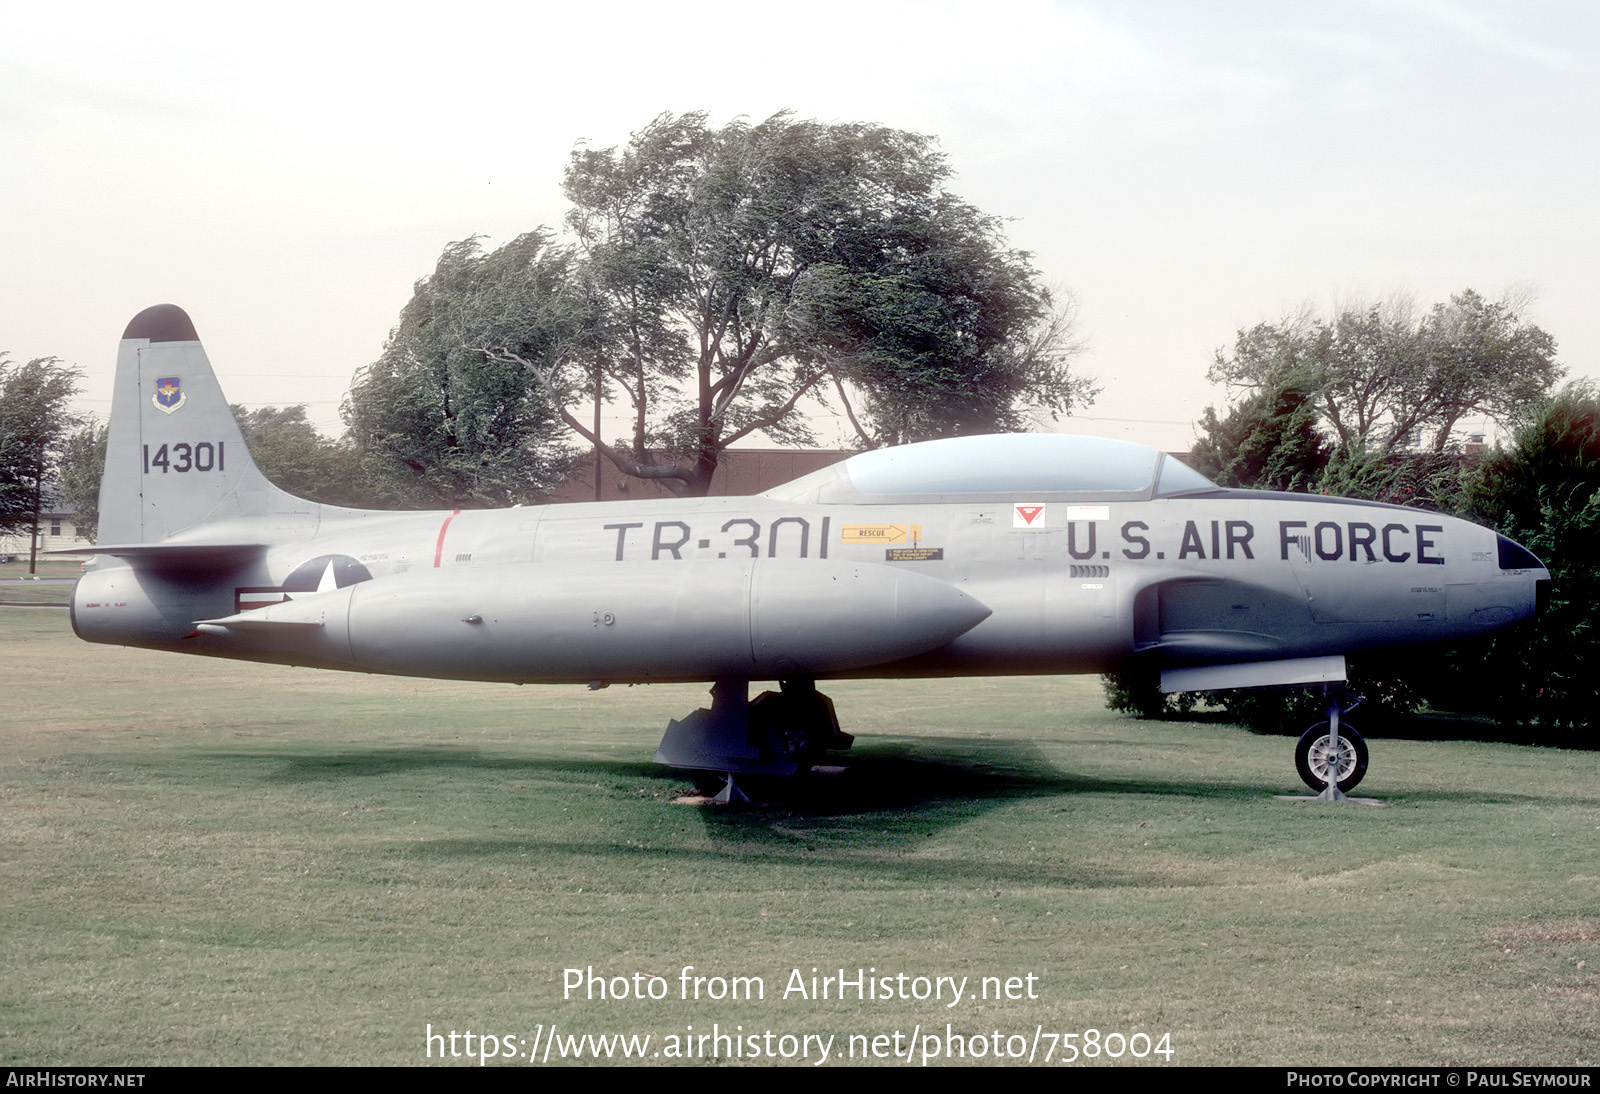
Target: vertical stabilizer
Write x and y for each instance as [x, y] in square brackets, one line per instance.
[175, 458]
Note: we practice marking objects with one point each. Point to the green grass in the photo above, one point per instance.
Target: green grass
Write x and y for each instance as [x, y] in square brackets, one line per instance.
[208, 862]
[30, 593]
[44, 567]
[18, 587]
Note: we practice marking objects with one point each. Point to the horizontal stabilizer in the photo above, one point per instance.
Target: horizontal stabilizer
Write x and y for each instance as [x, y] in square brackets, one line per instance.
[172, 555]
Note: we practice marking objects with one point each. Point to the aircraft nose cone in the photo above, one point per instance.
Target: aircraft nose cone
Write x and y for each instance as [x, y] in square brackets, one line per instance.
[1514, 556]
[1515, 590]
[1518, 559]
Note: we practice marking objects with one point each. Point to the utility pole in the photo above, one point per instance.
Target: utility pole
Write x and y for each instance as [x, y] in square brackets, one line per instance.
[598, 381]
[33, 532]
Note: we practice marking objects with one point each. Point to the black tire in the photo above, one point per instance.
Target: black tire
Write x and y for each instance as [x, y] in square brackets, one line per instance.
[1311, 756]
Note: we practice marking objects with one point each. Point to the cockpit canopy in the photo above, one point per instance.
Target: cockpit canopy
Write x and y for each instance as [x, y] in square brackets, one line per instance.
[1001, 465]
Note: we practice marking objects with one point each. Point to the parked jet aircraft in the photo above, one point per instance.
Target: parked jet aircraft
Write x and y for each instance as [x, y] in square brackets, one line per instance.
[1015, 554]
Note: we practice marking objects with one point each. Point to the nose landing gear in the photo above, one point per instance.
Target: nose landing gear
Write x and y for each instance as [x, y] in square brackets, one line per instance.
[1332, 756]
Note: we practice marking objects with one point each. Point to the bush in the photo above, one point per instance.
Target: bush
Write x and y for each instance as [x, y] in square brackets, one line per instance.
[1386, 696]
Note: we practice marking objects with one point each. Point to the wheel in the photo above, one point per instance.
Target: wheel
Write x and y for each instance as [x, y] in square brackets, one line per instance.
[1312, 757]
[797, 723]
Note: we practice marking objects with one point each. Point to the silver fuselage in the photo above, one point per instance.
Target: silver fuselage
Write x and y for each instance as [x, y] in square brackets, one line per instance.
[763, 587]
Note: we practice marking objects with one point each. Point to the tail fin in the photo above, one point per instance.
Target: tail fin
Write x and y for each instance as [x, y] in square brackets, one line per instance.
[175, 459]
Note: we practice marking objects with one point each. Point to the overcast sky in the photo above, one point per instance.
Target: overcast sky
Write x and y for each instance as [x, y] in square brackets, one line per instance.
[285, 172]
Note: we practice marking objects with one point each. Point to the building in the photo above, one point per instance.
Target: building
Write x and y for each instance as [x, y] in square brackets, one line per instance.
[57, 532]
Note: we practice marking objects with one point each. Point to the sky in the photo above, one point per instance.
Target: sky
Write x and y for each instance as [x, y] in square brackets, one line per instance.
[1181, 170]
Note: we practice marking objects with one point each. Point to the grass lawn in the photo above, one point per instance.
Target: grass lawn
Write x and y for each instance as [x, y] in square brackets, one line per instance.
[28, 592]
[209, 862]
[46, 566]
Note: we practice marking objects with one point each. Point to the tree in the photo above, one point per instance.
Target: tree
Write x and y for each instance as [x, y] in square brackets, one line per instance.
[728, 275]
[1543, 491]
[438, 422]
[1269, 440]
[288, 450]
[34, 421]
[83, 462]
[1375, 375]
[1382, 376]
[1427, 480]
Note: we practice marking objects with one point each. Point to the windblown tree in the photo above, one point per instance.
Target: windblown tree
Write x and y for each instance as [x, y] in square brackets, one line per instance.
[289, 451]
[1269, 440]
[435, 420]
[729, 275]
[34, 423]
[1381, 375]
[83, 462]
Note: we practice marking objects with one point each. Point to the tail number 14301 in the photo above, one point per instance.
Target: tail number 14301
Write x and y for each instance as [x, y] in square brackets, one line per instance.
[183, 456]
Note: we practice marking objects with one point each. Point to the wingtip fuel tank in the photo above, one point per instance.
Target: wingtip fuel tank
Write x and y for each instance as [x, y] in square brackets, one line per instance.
[756, 619]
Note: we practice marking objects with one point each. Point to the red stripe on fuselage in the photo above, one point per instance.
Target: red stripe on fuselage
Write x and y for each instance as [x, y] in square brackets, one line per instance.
[438, 548]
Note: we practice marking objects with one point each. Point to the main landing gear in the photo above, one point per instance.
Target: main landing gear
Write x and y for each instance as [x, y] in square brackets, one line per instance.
[1332, 756]
[777, 733]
